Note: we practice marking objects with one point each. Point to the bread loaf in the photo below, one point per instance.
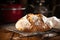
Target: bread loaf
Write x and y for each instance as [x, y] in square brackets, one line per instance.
[32, 23]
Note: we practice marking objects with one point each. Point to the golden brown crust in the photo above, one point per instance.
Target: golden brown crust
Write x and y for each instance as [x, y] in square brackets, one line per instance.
[37, 24]
[39, 27]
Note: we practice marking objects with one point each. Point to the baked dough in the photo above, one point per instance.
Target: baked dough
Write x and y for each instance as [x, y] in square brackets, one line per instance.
[32, 23]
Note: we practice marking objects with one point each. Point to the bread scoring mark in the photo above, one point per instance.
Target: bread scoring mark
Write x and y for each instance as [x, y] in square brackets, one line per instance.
[37, 23]
[34, 18]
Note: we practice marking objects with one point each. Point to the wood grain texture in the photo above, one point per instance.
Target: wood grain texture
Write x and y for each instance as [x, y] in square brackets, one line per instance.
[5, 35]
[20, 37]
[8, 35]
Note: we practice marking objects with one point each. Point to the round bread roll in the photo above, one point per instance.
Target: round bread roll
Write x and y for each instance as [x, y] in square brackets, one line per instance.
[32, 23]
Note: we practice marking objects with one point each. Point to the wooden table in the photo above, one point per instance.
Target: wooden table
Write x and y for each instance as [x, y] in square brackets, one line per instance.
[9, 35]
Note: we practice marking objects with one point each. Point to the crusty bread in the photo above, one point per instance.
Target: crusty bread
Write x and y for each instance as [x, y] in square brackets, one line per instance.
[32, 23]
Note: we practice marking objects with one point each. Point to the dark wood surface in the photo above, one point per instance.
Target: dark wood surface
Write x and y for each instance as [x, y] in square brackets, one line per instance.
[10, 35]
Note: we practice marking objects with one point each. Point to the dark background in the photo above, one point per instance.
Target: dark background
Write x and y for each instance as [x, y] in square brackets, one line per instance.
[52, 5]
